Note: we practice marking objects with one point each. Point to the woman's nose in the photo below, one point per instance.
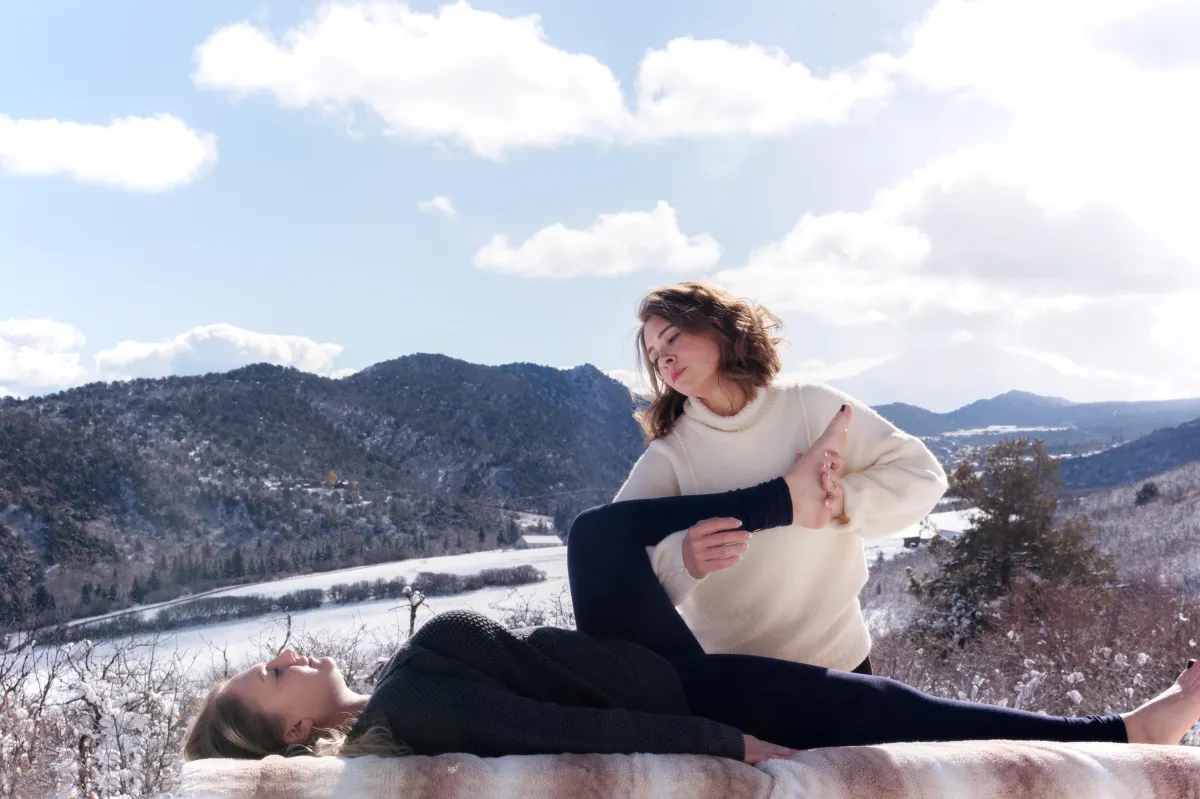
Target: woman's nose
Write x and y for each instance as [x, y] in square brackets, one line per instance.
[285, 658]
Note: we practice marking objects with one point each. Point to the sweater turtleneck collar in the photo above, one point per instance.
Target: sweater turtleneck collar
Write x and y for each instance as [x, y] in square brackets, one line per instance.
[742, 420]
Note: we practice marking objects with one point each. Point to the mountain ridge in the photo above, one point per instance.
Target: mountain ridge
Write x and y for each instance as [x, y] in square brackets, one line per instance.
[186, 483]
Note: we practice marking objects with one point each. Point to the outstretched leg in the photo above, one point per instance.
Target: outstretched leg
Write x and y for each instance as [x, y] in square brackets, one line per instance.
[613, 587]
[806, 707]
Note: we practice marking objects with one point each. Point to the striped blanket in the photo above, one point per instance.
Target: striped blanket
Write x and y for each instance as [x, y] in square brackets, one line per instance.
[965, 770]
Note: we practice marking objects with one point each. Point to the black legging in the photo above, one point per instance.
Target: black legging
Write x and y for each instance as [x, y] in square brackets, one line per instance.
[617, 595]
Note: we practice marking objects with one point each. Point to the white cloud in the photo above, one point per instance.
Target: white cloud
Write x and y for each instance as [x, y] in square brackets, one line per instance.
[696, 88]
[214, 348]
[443, 205]
[818, 371]
[136, 153]
[474, 78]
[615, 244]
[37, 353]
[1093, 116]
[42, 334]
[1065, 366]
[1065, 243]
[633, 380]
[492, 83]
[959, 237]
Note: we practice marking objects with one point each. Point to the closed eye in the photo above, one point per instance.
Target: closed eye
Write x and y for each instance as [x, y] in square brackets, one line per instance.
[671, 340]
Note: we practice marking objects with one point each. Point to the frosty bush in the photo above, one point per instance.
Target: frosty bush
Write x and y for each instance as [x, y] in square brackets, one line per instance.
[1054, 647]
[92, 720]
[108, 719]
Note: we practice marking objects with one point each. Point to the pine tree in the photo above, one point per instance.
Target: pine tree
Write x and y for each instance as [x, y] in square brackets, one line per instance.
[1012, 534]
[42, 599]
[237, 564]
[85, 594]
[1146, 494]
[136, 593]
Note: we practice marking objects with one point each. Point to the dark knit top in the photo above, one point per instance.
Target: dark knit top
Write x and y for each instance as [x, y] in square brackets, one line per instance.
[463, 683]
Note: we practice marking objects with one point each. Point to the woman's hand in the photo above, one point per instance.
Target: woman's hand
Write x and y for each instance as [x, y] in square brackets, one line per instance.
[712, 545]
[757, 751]
[815, 479]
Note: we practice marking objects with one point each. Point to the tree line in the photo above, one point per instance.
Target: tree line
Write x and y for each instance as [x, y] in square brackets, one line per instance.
[215, 610]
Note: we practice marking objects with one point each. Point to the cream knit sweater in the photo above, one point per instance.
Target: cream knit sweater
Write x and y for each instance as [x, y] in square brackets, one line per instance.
[794, 594]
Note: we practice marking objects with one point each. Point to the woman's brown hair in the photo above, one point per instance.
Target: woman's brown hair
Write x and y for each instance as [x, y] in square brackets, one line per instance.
[744, 331]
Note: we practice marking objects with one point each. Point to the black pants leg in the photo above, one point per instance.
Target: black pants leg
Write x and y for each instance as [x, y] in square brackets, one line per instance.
[807, 707]
[616, 595]
[613, 587]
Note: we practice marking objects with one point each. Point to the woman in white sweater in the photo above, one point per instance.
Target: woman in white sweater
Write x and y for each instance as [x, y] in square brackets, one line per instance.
[717, 422]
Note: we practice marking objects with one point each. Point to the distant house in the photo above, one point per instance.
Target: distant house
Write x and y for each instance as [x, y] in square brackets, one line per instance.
[538, 541]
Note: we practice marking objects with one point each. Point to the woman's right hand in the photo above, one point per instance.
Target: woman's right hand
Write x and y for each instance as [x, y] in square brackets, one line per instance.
[757, 751]
[712, 545]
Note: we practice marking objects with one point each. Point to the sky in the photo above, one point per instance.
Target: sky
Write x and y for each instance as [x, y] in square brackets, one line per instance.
[942, 199]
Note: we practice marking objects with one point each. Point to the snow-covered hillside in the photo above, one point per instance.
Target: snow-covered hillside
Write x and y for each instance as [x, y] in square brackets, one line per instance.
[245, 638]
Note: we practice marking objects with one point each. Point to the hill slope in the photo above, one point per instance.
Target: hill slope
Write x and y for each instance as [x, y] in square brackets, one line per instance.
[1157, 452]
[199, 481]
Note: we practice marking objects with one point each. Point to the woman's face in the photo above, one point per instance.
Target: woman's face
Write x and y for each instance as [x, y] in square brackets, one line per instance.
[687, 362]
[304, 692]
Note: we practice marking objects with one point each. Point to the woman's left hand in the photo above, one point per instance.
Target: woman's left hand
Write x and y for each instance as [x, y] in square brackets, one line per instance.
[758, 751]
[831, 481]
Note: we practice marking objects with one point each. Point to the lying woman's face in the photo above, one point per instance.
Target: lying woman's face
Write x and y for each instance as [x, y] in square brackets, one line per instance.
[293, 688]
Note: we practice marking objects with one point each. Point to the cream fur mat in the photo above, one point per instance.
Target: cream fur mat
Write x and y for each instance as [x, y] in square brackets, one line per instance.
[965, 770]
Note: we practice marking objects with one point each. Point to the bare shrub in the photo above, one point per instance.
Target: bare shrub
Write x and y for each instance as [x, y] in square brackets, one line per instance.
[1054, 648]
[886, 599]
[519, 611]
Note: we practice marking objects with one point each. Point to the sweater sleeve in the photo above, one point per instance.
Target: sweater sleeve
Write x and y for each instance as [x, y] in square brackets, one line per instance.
[434, 714]
[653, 476]
[891, 479]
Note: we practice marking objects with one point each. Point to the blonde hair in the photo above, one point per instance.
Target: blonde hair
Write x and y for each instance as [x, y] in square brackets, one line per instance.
[744, 332]
[225, 726]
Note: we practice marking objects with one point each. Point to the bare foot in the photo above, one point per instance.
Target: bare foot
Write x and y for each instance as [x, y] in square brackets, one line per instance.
[1166, 718]
[811, 507]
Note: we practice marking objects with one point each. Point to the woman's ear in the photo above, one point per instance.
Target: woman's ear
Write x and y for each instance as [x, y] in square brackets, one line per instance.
[298, 732]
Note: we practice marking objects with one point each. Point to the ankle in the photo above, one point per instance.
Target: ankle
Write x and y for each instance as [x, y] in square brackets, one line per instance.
[1133, 728]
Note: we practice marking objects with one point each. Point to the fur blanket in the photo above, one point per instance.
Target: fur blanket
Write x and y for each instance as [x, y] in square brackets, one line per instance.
[966, 770]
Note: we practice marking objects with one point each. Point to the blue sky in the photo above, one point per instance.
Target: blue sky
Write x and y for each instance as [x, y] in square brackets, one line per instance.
[886, 174]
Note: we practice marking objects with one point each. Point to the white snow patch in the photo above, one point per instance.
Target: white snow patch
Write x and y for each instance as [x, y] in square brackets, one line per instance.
[1001, 429]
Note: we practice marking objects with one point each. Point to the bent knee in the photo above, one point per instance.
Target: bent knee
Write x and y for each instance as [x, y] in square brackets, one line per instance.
[586, 527]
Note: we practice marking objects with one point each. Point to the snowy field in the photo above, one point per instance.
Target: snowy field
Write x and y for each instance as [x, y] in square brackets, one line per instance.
[1002, 430]
[245, 638]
